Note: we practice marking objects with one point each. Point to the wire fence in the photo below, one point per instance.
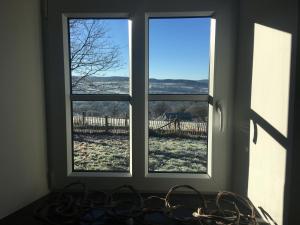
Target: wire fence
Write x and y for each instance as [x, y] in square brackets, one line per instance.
[94, 124]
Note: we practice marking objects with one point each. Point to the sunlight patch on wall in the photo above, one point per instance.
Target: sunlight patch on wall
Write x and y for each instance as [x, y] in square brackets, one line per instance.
[271, 76]
[270, 100]
[267, 174]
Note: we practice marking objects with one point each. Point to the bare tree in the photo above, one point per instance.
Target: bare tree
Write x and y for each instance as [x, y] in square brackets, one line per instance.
[91, 49]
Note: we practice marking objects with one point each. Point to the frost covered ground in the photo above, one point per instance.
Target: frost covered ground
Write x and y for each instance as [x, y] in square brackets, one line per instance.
[111, 153]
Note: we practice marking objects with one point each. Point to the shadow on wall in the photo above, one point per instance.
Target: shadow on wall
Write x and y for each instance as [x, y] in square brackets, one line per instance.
[264, 114]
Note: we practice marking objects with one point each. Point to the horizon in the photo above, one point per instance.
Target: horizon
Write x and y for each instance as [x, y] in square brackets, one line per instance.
[103, 76]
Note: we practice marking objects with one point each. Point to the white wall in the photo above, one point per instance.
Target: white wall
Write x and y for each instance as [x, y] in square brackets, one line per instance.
[264, 103]
[22, 114]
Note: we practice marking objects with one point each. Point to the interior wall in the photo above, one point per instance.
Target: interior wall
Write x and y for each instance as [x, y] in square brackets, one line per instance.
[264, 103]
[22, 115]
[292, 203]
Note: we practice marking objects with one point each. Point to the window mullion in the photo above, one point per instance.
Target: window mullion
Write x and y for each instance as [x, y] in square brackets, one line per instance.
[138, 103]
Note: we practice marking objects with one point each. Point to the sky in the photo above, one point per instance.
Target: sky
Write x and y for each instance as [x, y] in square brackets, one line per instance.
[178, 47]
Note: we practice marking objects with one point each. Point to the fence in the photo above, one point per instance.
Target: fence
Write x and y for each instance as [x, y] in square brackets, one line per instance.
[93, 124]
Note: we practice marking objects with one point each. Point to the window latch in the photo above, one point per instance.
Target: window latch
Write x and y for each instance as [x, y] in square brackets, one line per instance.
[219, 110]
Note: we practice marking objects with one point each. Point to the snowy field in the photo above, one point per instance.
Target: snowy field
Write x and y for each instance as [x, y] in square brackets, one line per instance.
[111, 153]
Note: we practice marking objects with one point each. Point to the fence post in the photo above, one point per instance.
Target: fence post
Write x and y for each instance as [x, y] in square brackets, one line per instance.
[126, 123]
[106, 123]
[83, 118]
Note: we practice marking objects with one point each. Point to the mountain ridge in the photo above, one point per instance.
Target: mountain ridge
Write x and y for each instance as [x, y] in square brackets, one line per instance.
[120, 85]
[121, 78]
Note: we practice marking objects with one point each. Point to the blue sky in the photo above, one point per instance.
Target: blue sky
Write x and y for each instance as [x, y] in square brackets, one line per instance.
[178, 47]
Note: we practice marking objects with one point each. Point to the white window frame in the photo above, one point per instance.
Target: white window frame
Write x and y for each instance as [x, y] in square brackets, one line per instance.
[58, 97]
[180, 97]
[70, 97]
[141, 164]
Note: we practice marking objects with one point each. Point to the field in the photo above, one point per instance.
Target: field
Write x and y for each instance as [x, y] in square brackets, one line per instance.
[177, 155]
[103, 152]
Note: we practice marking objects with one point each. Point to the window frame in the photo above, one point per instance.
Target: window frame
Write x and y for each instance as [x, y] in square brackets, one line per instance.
[179, 97]
[70, 97]
[59, 144]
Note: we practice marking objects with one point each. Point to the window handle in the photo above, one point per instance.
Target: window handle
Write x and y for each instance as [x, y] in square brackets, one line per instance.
[219, 110]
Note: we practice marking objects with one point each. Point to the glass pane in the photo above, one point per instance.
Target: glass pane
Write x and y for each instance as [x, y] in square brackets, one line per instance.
[100, 136]
[179, 55]
[178, 136]
[99, 56]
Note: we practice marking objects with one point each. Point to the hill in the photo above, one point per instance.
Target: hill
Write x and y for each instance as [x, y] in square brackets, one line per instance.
[120, 85]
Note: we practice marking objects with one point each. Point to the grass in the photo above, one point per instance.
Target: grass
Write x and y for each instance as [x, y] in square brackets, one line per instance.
[103, 152]
[177, 155]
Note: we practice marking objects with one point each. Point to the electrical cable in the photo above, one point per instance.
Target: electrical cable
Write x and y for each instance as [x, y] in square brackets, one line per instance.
[75, 204]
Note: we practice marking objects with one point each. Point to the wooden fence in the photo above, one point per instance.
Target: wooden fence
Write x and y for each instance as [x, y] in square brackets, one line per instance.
[93, 124]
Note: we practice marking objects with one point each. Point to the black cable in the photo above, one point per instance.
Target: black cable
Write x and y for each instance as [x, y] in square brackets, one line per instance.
[85, 207]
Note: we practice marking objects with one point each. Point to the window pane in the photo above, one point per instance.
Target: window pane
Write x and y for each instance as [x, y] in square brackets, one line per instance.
[100, 136]
[179, 55]
[99, 56]
[178, 136]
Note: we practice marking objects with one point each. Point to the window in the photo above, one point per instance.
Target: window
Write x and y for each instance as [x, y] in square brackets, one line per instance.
[99, 86]
[104, 97]
[178, 94]
[134, 121]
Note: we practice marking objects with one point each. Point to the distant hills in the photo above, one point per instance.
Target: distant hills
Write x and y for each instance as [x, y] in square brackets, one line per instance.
[105, 79]
[191, 82]
[120, 85]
